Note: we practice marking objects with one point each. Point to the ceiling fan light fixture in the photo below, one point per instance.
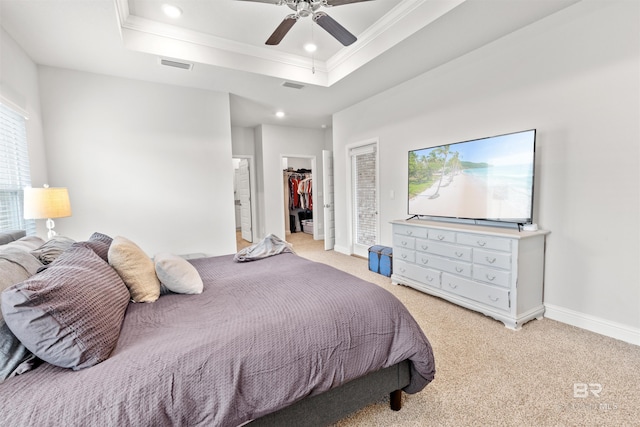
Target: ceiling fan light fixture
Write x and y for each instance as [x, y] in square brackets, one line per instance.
[280, 114]
[172, 11]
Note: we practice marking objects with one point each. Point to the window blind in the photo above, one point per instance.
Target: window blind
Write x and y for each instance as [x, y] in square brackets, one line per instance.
[14, 171]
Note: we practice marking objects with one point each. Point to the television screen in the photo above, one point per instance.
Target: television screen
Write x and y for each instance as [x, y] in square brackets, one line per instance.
[484, 179]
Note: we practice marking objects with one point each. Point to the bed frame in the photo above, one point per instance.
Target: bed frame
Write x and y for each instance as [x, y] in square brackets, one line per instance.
[337, 403]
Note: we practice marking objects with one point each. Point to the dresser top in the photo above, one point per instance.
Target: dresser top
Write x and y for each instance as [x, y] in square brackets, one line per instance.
[513, 233]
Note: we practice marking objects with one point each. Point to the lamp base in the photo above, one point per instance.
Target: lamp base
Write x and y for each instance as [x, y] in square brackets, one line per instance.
[50, 225]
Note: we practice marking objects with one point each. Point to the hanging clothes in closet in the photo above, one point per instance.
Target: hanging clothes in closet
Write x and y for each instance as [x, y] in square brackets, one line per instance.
[300, 195]
[304, 193]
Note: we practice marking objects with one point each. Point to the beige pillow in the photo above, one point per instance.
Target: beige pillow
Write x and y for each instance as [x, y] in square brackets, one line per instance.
[177, 274]
[135, 268]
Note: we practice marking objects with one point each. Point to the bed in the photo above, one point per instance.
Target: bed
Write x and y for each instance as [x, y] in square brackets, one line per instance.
[278, 341]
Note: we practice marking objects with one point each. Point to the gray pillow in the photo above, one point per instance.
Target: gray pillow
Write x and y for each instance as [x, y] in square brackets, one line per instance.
[70, 314]
[100, 244]
[27, 243]
[51, 249]
[16, 265]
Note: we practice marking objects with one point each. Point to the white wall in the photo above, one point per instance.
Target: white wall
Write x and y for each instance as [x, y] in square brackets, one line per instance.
[243, 141]
[272, 144]
[19, 89]
[147, 161]
[574, 77]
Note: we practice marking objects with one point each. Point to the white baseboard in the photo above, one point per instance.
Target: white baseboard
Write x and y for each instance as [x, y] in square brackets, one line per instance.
[594, 324]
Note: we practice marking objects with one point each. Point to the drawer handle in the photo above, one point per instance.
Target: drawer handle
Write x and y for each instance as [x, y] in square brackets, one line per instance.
[409, 232]
[424, 247]
[425, 260]
[493, 299]
[404, 256]
[459, 254]
[404, 243]
[452, 286]
[492, 278]
[459, 269]
[402, 270]
[440, 237]
[430, 279]
[481, 243]
[490, 260]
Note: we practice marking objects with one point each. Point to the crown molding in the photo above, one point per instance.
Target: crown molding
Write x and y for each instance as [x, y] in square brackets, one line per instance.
[405, 19]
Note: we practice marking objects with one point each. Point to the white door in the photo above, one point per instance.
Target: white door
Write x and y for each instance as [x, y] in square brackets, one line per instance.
[244, 194]
[364, 195]
[327, 189]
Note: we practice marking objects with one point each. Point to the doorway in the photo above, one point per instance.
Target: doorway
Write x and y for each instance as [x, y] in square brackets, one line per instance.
[364, 196]
[299, 206]
[243, 184]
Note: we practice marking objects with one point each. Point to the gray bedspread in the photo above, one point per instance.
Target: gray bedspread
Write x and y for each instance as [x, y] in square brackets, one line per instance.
[261, 336]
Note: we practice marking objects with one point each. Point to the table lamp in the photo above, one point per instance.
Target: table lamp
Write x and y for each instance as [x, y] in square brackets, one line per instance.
[47, 202]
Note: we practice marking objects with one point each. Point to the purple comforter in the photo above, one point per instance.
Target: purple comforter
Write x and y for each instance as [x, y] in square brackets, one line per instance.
[261, 336]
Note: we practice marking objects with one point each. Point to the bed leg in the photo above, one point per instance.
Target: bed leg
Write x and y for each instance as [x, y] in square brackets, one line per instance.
[395, 400]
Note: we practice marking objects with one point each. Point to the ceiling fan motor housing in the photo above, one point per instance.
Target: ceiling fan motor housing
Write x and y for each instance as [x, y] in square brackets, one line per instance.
[304, 8]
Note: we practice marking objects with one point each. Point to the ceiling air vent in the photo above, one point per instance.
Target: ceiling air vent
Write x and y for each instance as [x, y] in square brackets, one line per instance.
[293, 85]
[176, 64]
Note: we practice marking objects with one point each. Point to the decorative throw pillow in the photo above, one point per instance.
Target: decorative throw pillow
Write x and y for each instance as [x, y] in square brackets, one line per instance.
[70, 314]
[177, 274]
[51, 249]
[135, 268]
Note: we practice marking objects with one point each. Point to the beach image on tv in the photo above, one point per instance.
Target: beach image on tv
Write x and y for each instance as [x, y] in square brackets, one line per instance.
[490, 178]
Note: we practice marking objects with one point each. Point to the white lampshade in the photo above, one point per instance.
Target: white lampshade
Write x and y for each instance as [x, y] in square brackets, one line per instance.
[47, 202]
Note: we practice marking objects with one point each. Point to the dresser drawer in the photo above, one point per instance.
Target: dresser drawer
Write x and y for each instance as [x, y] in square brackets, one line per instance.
[405, 230]
[492, 259]
[444, 264]
[445, 249]
[484, 294]
[408, 255]
[485, 242]
[423, 245]
[442, 235]
[403, 242]
[491, 275]
[417, 273]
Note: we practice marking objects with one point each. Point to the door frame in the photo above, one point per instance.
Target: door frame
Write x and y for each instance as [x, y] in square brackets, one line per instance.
[252, 190]
[350, 198]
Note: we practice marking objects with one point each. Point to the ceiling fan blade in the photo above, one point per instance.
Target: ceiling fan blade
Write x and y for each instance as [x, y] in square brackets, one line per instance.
[331, 26]
[282, 30]
[341, 2]
[276, 2]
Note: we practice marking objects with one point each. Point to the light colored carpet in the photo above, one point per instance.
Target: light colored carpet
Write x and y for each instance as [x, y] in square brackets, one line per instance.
[488, 375]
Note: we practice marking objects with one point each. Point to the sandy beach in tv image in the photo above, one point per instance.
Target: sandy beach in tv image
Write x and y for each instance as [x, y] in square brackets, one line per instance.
[489, 178]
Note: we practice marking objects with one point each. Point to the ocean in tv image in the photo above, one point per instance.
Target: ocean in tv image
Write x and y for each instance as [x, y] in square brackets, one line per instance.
[489, 178]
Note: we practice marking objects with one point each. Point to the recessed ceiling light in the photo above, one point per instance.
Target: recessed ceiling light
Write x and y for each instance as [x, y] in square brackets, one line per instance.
[280, 114]
[171, 11]
[310, 47]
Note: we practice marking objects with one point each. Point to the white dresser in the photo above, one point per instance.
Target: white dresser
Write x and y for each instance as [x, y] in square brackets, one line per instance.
[496, 271]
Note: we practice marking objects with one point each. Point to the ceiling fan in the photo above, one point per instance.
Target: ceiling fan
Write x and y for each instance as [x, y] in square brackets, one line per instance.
[304, 8]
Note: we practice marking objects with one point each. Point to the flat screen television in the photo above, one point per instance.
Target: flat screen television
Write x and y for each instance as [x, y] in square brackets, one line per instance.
[487, 179]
